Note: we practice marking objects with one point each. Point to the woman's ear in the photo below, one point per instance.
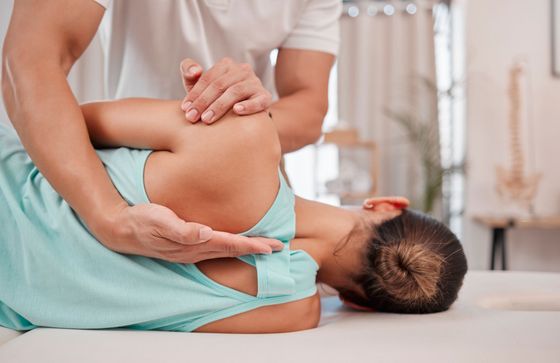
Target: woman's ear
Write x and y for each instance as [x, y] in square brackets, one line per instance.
[386, 203]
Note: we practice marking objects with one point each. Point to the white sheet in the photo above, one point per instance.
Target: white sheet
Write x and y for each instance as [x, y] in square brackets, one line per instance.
[469, 332]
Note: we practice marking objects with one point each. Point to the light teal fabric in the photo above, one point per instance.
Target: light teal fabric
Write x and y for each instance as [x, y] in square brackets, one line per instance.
[54, 273]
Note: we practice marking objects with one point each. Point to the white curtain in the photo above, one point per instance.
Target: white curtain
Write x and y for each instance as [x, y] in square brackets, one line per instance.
[387, 53]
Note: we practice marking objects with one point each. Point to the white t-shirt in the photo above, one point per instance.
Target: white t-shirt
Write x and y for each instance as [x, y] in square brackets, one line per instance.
[144, 41]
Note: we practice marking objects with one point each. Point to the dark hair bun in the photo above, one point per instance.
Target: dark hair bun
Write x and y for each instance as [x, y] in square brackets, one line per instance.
[409, 271]
[413, 265]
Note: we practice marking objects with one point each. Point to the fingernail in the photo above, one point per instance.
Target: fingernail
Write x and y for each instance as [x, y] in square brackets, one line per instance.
[207, 116]
[266, 252]
[204, 234]
[191, 115]
[185, 106]
[193, 70]
[278, 247]
[238, 108]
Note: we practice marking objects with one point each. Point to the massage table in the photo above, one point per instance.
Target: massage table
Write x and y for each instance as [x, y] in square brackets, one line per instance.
[499, 317]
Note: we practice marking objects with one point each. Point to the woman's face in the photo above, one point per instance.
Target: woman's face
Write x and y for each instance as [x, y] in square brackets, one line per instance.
[351, 299]
[374, 212]
[379, 211]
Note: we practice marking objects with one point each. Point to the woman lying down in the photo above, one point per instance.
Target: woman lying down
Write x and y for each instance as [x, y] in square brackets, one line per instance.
[54, 273]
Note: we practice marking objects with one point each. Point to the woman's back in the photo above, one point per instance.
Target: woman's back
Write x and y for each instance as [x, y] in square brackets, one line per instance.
[224, 175]
[56, 274]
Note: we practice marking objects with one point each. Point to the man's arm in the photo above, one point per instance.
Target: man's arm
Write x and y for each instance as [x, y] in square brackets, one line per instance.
[44, 39]
[302, 80]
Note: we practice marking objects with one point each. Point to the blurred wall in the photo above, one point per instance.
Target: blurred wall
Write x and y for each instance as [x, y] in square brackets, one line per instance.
[498, 32]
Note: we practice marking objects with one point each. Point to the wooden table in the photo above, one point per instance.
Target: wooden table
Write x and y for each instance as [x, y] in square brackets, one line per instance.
[500, 226]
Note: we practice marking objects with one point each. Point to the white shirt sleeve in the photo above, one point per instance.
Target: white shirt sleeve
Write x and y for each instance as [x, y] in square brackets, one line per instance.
[104, 3]
[318, 27]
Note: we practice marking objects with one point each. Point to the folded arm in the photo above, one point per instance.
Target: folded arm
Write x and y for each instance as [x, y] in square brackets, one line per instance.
[135, 122]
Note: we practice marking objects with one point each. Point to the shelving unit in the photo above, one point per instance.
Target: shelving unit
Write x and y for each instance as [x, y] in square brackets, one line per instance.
[349, 139]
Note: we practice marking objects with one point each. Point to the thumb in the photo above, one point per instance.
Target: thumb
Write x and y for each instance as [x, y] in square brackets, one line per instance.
[190, 72]
[186, 233]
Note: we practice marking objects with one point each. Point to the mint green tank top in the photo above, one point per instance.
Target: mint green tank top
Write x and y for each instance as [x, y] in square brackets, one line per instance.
[54, 273]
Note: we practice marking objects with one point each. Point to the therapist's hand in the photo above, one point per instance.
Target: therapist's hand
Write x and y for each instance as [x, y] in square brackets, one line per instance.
[225, 86]
[153, 230]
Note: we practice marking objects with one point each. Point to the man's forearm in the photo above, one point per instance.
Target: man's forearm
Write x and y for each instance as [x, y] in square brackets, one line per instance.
[298, 118]
[302, 82]
[50, 124]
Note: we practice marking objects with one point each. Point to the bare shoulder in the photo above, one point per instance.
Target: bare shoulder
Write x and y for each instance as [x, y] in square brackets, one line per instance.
[282, 318]
[223, 175]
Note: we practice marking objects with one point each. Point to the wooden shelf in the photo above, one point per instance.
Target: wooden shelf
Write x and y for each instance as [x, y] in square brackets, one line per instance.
[348, 138]
[549, 222]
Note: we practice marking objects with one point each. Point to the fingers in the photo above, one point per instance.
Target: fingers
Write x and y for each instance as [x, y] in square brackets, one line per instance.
[275, 244]
[215, 99]
[232, 245]
[223, 86]
[193, 105]
[179, 231]
[190, 72]
[221, 245]
[239, 91]
[256, 103]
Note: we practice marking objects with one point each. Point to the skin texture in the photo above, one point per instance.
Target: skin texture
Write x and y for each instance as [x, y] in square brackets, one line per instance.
[301, 78]
[44, 40]
[241, 156]
[160, 125]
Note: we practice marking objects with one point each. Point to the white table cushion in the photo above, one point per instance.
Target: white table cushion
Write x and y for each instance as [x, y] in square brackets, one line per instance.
[7, 335]
[481, 327]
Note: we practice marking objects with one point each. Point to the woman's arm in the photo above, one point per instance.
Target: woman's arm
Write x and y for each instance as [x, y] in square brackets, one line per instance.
[135, 122]
[281, 318]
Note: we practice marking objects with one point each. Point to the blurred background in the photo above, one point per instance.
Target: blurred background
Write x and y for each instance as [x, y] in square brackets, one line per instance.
[454, 104]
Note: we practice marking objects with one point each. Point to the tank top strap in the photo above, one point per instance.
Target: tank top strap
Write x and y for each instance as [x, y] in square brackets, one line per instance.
[273, 271]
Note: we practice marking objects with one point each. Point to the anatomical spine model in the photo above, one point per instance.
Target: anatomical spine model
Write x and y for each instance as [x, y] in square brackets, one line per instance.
[513, 184]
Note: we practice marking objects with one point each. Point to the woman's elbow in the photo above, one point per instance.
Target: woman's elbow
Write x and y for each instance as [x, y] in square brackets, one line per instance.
[314, 132]
[302, 136]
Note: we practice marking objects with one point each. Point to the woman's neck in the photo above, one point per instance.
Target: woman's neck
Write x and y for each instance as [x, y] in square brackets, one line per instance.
[331, 235]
